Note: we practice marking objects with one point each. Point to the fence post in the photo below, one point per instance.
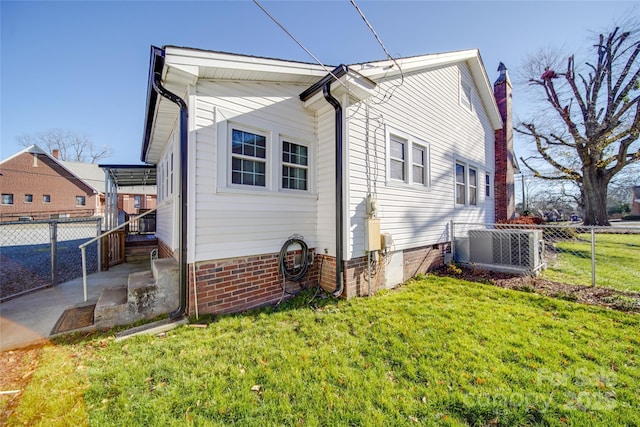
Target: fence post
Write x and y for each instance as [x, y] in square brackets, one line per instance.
[84, 272]
[453, 243]
[99, 248]
[593, 256]
[53, 239]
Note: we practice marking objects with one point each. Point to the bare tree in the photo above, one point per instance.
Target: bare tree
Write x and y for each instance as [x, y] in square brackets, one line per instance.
[72, 147]
[595, 124]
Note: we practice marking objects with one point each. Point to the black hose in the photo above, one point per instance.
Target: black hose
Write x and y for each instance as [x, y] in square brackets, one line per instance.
[293, 274]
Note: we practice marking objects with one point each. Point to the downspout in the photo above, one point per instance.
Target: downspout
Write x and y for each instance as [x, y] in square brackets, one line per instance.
[326, 90]
[182, 216]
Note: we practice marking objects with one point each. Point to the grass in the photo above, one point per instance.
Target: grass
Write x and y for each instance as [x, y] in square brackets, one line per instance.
[438, 351]
[617, 258]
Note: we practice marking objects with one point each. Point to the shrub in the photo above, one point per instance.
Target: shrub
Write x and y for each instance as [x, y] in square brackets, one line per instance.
[527, 220]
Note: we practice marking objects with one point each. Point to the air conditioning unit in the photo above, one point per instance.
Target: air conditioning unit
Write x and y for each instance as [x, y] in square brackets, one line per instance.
[517, 251]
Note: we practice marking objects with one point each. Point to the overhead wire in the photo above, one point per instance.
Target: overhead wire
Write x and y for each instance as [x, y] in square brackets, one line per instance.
[282, 27]
[390, 92]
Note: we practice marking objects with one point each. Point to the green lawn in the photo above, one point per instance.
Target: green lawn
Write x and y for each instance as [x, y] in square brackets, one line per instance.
[438, 351]
[617, 261]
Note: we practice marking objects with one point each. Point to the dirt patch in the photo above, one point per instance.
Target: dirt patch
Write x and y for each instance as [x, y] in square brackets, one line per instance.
[604, 297]
[17, 367]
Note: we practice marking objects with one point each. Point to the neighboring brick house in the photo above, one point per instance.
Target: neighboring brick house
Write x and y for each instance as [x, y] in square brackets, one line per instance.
[131, 199]
[36, 185]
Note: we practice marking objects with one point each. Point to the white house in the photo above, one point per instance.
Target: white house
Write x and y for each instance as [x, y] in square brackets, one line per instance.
[368, 163]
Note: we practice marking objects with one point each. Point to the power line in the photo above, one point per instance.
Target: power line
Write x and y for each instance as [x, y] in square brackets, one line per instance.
[364, 18]
[389, 93]
[298, 42]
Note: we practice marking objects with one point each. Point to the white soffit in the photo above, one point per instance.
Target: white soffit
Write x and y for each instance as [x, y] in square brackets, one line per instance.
[226, 66]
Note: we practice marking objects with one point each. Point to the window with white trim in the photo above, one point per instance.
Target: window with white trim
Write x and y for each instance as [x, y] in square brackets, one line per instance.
[397, 155]
[171, 173]
[248, 158]
[461, 184]
[295, 166]
[408, 159]
[467, 184]
[487, 185]
[418, 162]
[473, 186]
[166, 176]
[159, 179]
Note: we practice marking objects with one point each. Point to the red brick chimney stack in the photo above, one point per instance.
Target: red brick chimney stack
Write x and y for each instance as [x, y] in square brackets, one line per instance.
[56, 153]
[504, 168]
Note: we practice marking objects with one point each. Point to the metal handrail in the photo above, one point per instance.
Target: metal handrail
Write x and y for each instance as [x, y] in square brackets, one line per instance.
[83, 247]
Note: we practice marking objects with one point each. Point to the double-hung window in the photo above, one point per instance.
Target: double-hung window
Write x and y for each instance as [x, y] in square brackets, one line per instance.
[248, 158]
[473, 186]
[408, 159]
[466, 184]
[461, 184]
[295, 166]
[487, 185]
[418, 160]
[398, 149]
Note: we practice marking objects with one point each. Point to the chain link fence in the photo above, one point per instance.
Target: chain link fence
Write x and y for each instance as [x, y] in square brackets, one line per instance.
[37, 254]
[568, 253]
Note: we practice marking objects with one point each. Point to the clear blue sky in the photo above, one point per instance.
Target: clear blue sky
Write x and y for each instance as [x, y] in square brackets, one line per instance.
[82, 66]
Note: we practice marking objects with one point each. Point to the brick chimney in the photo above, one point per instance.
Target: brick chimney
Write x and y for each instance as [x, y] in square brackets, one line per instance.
[56, 153]
[504, 168]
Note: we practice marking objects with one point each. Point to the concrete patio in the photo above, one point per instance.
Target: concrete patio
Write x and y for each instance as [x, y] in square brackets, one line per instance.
[29, 319]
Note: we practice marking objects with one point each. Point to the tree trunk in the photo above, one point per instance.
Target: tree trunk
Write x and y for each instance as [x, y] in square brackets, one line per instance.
[594, 197]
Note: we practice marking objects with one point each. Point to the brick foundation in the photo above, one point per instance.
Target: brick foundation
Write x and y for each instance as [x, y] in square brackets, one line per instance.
[423, 259]
[356, 271]
[238, 284]
[164, 250]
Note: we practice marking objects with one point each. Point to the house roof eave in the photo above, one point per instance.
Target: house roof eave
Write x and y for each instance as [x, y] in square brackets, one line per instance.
[386, 69]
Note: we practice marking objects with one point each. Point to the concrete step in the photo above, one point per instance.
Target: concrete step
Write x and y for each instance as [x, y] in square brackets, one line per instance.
[112, 304]
[147, 294]
[141, 290]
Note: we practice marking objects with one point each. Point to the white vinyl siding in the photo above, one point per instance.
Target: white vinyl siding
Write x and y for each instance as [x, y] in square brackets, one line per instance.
[167, 184]
[427, 106]
[234, 220]
[326, 221]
